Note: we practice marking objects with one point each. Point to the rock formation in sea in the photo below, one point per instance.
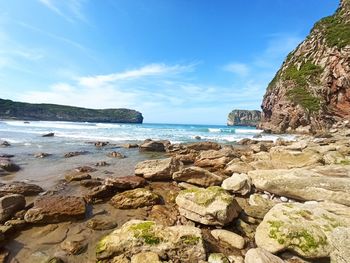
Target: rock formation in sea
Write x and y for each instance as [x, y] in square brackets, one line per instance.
[311, 91]
[53, 112]
[243, 118]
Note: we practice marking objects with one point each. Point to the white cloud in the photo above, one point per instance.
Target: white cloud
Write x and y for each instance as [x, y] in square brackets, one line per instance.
[239, 69]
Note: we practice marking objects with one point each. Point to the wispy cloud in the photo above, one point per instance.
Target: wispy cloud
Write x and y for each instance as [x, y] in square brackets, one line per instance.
[70, 10]
[239, 69]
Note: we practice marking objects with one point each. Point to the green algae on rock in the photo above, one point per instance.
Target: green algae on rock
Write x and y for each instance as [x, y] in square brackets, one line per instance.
[302, 228]
[183, 243]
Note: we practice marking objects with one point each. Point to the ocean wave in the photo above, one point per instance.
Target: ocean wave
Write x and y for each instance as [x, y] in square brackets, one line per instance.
[247, 131]
[48, 125]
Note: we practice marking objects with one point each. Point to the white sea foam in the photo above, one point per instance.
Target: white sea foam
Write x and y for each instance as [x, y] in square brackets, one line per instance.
[248, 131]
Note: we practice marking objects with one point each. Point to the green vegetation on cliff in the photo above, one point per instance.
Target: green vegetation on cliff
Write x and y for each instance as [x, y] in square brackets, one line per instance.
[52, 112]
[336, 29]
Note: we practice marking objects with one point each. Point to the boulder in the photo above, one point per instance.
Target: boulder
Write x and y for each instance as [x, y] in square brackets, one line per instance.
[100, 192]
[215, 158]
[136, 198]
[210, 206]
[75, 245]
[259, 255]
[77, 177]
[164, 214]
[72, 154]
[161, 169]
[198, 176]
[203, 146]
[322, 183]
[154, 146]
[52, 209]
[303, 228]
[41, 155]
[20, 188]
[179, 243]
[9, 205]
[237, 183]
[229, 238]
[8, 165]
[4, 144]
[100, 144]
[125, 182]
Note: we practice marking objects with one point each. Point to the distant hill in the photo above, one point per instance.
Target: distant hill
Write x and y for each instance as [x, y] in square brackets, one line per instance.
[52, 112]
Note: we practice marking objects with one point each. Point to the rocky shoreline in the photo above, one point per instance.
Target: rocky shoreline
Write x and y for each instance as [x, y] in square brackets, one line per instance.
[256, 201]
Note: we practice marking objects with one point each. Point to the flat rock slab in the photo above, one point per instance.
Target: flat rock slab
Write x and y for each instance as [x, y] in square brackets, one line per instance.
[179, 243]
[198, 176]
[125, 182]
[322, 183]
[210, 206]
[135, 198]
[52, 209]
[20, 188]
[303, 228]
[158, 169]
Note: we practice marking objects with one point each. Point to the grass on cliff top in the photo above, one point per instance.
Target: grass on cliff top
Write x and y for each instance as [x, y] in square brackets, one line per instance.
[307, 73]
[336, 30]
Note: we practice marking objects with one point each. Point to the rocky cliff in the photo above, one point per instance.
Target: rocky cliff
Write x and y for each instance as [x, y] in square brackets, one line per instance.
[243, 118]
[52, 112]
[311, 91]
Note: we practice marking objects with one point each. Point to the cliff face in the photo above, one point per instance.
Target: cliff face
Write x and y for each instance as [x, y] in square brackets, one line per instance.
[243, 118]
[52, 112]
[311, 91]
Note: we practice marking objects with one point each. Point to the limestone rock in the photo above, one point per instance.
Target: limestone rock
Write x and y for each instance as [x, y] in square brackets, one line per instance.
[157, 169]
[237, 166]
[142, 257]
[198, 176]
[237, 183]
[211, 206]
[136, 198]
[228, 237]
[179, 243]
[203, 146]
[340, 241]
[125, 182]
[164, 215]
[20, 188]
[217, 258]
[153, 146]
[75, 244]
[302, 228]
[259, 255]
[101, 223]
[9, 205]
[52, 209]
[306, 184]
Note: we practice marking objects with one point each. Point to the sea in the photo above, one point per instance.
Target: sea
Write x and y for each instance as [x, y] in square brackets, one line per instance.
[20, 132]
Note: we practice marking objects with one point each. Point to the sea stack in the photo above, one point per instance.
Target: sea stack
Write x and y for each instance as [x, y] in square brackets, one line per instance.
[244, 118]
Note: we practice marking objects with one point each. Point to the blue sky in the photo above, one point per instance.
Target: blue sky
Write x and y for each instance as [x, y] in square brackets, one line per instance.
[176, 61]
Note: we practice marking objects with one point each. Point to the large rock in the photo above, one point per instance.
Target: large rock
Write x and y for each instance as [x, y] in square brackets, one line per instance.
[237, 166]
[215, 158]
[8, 165]
[179, 243]
[321, 183]
[203, 146]
[20, 188]
[52, 209]
[237, 183]
[229, 238]
[198, 176]
[210, 206]
[258, 255]
[125, 182]
[154, 146]
[302, 228]
[136, 198]
[9, 205]
[158, 169]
